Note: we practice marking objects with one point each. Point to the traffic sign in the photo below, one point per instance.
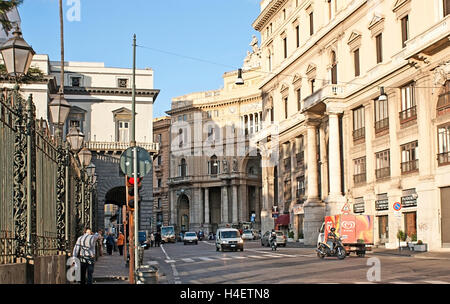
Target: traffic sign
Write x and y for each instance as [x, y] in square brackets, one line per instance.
[144, 162]
[346, 208]
[397, 206]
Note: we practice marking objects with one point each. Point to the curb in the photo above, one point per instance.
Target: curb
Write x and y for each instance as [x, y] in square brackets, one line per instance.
[111, 278]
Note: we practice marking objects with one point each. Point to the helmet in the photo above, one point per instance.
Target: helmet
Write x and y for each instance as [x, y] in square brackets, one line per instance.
[333, 229]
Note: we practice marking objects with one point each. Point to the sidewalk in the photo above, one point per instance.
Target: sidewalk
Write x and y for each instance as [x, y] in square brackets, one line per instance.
[440, 255]
[110, 269]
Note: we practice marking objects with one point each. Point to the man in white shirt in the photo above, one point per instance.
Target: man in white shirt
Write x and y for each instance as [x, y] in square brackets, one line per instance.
[85, 251]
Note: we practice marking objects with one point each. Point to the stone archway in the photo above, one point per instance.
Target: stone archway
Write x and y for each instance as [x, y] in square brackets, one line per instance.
[115, 199]
[183, 213]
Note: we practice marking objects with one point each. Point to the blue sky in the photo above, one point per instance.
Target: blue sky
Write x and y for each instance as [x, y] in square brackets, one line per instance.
[218, 31]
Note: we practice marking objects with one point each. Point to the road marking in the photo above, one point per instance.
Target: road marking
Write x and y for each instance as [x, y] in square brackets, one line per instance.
[285, 255]
[170, 261]
[400, 282]
[225, 258]
[152, 262]
[255, 256]
[187, 260]
[436, 282]
[174, 269]
[205, 259]
[272, 256]
[239, 257]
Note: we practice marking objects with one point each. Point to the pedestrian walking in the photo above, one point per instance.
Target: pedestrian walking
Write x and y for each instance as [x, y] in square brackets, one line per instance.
[152, 239]
[84, 250]
[110, 243]
[120, 242]
[157, 239]
[99, 243]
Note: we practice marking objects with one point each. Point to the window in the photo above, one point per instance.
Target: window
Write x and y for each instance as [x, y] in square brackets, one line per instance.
[159, 183]
[122, 83]
[159, 203]
[159, 160]
[287, 190]
[301, 186]
[408, 112]
[405, 30]
[359, 173]
[270, 62]
[379, 48]
[382, 168]
[74, 124]
[311, 24]
[208, 114]
[182, 167]
[443, 105]
[124, 131]
[299, 99]
[444, 144]
[356, 62]
[284, 14]
[180, 138]
[358, 124]
[313, 81]
[285, 107]
[409, 157]
[297, 35]
[446, 7]
[75, 81]
[285, 47]
[329, 10]
[381, 115]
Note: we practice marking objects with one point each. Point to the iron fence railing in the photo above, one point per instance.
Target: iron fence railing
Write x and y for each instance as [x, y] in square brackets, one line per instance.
[7, 247]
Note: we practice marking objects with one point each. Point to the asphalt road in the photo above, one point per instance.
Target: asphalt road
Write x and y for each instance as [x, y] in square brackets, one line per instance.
[201, 264]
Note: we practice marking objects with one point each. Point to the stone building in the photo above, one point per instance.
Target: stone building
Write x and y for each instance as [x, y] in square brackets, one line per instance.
[215, 166]
[358, 93]
[161, 169]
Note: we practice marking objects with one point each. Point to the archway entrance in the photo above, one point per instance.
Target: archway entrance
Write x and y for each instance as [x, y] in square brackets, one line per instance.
[183, 213]
[115, 198]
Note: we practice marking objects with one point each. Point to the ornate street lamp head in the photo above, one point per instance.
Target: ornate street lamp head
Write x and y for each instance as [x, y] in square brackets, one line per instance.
[383, 96]
[85, 157]
[75, 138]
[239, 80]
[90, 170]
[17, 55]
[59, 109]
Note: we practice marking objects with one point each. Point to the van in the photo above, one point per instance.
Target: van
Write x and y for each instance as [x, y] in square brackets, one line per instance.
[229, 238]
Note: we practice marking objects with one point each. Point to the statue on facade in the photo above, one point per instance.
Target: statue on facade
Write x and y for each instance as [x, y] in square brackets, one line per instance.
[225, 166]
[235, 165]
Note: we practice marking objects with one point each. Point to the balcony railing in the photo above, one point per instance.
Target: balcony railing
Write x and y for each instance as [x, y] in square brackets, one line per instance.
[119, 146]
[382, 125]
[359, 178]
[408, 114]
[383, 172]
[410, 166]
[359, 134]
[443, 158]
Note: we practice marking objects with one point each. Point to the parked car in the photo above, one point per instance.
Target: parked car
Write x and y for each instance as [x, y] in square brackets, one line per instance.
[247, 235]
[229, 238]
[281, 238]
[190, 237]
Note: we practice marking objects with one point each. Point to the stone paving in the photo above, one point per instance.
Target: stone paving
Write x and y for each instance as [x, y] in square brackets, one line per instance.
[111, 269]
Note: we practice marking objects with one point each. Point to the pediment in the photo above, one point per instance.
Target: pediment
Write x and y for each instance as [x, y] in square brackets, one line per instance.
[297, 78]
[376, 20]
[283, 87]
[77, 110]
[122, 110]
[311, 68]
[354, 36]
[399, 3]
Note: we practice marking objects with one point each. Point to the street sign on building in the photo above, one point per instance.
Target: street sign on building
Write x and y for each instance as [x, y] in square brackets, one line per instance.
[397, 207]
[144, 162]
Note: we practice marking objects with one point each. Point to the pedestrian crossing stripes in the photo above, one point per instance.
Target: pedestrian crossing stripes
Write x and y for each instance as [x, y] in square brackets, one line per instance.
[187, 260]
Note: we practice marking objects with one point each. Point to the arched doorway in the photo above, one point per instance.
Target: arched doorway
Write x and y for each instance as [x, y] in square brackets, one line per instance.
[183, 213]
[115, 198]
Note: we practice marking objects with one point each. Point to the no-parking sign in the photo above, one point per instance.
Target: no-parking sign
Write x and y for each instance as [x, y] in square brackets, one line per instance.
[397, 206]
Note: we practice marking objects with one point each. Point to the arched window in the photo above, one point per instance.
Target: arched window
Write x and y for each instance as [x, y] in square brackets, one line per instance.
[183, 167]
[213, 165]
[180, 138]
[333, 68]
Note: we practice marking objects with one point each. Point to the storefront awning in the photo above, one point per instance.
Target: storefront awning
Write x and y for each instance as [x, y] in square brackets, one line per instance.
[282, 220]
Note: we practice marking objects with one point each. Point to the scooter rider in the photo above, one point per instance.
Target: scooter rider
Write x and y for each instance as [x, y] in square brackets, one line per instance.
[273, 237]
[331, 238]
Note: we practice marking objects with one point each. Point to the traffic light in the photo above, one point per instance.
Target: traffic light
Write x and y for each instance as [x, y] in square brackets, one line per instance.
[130, 194]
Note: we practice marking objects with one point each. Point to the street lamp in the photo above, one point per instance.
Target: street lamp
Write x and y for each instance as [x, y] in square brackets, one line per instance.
[85, 157]
[239, 80]
[383, 96]
[90, 170]
[17, 55]
[59, 110]
[75, 138]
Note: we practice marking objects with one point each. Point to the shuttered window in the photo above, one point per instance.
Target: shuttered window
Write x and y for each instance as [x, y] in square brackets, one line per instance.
[405, 30]
[356, 62]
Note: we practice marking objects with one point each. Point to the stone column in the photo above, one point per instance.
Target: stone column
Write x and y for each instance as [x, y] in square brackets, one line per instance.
[173, 209]
[257, 204]
[314, 208]
[324, 164]
[206, 205]
[235, 204]
[224, 204]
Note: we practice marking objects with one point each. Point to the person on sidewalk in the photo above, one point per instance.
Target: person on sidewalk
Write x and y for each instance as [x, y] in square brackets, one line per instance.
[99, 244]
[120, 242]
[152, 239]
[157, 239]
[84, 250]
[110, 243]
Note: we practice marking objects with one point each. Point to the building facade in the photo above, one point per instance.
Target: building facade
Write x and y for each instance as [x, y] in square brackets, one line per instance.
[358, 94]
[161, 169]
[215, 166]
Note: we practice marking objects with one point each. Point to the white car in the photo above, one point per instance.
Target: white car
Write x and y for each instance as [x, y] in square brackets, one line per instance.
[229, 238]
[190, 237]
[247, 235]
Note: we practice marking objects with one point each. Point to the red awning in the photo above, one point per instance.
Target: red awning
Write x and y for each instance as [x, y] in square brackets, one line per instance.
[282, 220]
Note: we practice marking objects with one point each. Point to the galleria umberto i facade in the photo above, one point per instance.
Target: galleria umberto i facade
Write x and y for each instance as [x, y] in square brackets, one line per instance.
[349, 103]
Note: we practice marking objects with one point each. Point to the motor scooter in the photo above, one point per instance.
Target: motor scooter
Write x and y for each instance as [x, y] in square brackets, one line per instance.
[273, 243]
[324, 250]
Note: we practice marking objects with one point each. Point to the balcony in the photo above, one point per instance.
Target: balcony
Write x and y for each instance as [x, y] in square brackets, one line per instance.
[383, 172]
[410, 166]
[382, 125]
[359, 134]
[179, 180]
[359, 178]
[443, 158]
[408, 115]
[314, 102]
[119, 147]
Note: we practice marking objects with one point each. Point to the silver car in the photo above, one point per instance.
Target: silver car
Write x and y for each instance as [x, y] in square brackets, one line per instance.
[281, 239]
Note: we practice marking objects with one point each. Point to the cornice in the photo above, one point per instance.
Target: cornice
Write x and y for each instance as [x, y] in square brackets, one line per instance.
[267, 13]
[111, 91]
